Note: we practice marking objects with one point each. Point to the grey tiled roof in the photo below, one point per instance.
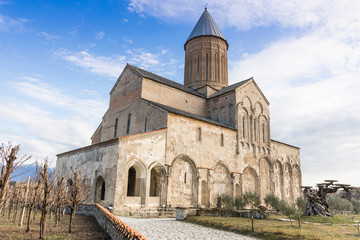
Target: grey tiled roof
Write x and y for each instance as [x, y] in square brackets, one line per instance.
[206, 26]
[163, 80]
[230, 88]
[186, 114]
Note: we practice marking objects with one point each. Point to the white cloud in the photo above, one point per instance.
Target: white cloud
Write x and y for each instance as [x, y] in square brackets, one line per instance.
[45, 132]
[46, 93]
[112, 66]
[11, 24]
[49, 36]
[137, 7]
[106, 66]
[247, 14]
[99, 35]
[143, 58]
[128, 40]
[41, 133]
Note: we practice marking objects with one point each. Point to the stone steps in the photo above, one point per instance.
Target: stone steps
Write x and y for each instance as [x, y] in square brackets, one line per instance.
[148, 212]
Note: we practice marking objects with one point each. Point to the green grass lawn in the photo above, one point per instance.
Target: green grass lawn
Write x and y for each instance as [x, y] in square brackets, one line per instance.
[83, 228]
[338, 227]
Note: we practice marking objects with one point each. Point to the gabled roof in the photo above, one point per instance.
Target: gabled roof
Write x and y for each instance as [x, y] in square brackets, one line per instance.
[186, 114]
[163, 80]
[230, 88]
[206, 26]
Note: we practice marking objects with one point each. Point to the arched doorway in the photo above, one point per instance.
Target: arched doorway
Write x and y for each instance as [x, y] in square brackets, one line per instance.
[136, 183]
[133, 188]
[100, 190]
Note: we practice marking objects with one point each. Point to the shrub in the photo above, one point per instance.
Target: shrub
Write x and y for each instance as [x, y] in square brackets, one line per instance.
[338, 204]
[287, 209]
[301, 204]
[252, 199]
[293, 210]
[356, 205]
[225, 202]
[240, 202]
[272, 201]
[218, 201]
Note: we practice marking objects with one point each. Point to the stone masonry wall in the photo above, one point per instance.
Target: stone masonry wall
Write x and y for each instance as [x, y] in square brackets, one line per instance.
[172, 97]
[95, 162]
[112, 225]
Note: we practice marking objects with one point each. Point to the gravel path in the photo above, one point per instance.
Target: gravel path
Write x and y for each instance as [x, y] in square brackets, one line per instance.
[169, 228]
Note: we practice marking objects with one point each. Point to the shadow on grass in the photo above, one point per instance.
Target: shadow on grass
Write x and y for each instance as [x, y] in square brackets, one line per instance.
[227, 224]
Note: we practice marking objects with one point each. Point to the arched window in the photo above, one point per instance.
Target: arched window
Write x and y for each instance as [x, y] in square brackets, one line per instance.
[222, 140]
[207, 66]
[244, 126]
[191, 68]
[199, 134]
[237, 190]
[255, 133]
[263, 132]
[103, 191]
[222, 69]
[198, 67]
[128, 124]
[116, 126]
[215, 67]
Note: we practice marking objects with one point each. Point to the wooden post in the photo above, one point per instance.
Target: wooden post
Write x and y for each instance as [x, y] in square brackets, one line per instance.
[252, 223]
[24, 203]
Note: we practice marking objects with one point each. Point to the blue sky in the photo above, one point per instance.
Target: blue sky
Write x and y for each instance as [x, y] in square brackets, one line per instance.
[60, 59]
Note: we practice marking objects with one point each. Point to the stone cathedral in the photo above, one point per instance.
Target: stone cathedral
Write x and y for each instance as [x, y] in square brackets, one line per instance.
[164, 144]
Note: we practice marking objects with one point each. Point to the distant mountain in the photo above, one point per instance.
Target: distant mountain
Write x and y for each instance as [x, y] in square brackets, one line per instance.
[22, 173]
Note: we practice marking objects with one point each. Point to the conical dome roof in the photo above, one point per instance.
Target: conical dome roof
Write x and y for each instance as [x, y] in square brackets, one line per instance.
[206, 26]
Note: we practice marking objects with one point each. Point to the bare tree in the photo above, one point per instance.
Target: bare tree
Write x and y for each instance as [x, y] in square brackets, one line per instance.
[34, 196]
[17, 199]
[47, 186]
[25, 201]
[12, 198]
[78, 192]
[9, 161]
[7, 200]
[60, 199]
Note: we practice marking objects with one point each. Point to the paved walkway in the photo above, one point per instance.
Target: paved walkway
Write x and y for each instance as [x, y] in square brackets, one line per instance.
[169, 228]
